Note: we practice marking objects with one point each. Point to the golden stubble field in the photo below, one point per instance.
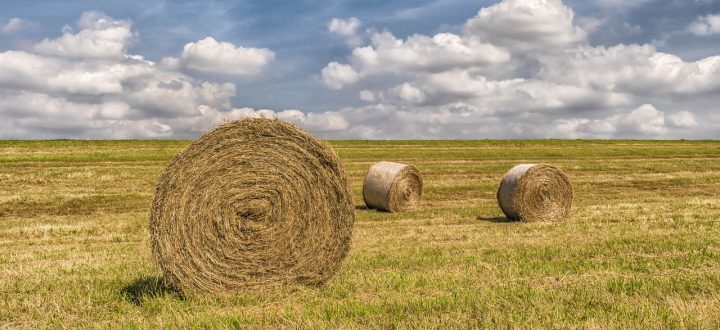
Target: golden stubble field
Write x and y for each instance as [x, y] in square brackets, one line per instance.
[641, 249]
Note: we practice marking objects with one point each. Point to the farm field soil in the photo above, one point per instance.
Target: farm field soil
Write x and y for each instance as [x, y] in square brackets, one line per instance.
[640, 250]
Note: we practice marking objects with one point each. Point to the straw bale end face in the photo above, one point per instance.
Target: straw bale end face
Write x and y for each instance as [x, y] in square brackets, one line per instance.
[530, 192]
[253, 203]
[392, 187]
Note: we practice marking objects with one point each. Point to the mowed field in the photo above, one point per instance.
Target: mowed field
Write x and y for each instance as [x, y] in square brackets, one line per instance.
[641, 249]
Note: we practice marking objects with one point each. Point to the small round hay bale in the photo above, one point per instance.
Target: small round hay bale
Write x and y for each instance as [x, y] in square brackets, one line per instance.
[392, 187]
[253, 203]
[530, 192]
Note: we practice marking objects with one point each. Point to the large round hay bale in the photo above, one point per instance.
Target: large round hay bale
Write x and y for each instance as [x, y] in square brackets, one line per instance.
[530, 192]
[252, 203]
[392, 187]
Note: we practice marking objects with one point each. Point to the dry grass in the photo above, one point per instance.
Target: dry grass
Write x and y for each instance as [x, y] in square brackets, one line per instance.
[641, 248]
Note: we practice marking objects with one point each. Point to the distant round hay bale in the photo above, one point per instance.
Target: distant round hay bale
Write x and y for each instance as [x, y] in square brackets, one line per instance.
[530, 192]
[252, 203]
[392, 187]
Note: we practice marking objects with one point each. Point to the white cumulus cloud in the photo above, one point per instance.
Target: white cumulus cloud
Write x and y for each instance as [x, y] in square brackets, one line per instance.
[526, 25]
[367, 96]
[645, 121]
[99, 37]
[347, 29]
[705, 25]
[85, 84]
[522, 68]
[425, 54]
[210, 56]
[319, 122]
[336, 75]
[16, 24]
[682, 119]
[516, 69]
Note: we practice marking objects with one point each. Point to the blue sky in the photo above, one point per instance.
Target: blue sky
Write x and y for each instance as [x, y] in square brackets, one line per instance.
[402, 69]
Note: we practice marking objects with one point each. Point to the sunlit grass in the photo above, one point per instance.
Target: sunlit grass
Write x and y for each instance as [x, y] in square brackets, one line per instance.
[642, 248]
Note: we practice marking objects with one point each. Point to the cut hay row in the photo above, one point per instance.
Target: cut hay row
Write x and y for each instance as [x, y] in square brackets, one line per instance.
[392, 187]
[252, 203]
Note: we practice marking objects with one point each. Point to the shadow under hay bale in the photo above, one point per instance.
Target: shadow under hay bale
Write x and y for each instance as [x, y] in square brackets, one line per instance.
[252, 204]
[148, 287]
[530, 192]
[494, 219]
[392, 187]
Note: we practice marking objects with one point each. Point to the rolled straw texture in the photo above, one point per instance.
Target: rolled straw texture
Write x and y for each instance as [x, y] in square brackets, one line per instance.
[392, 187]
[530, 192]
[253, 203]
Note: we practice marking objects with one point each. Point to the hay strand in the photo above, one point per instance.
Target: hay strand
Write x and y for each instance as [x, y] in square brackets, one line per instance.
[530, 192]
[392, 187]
[251, 204]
